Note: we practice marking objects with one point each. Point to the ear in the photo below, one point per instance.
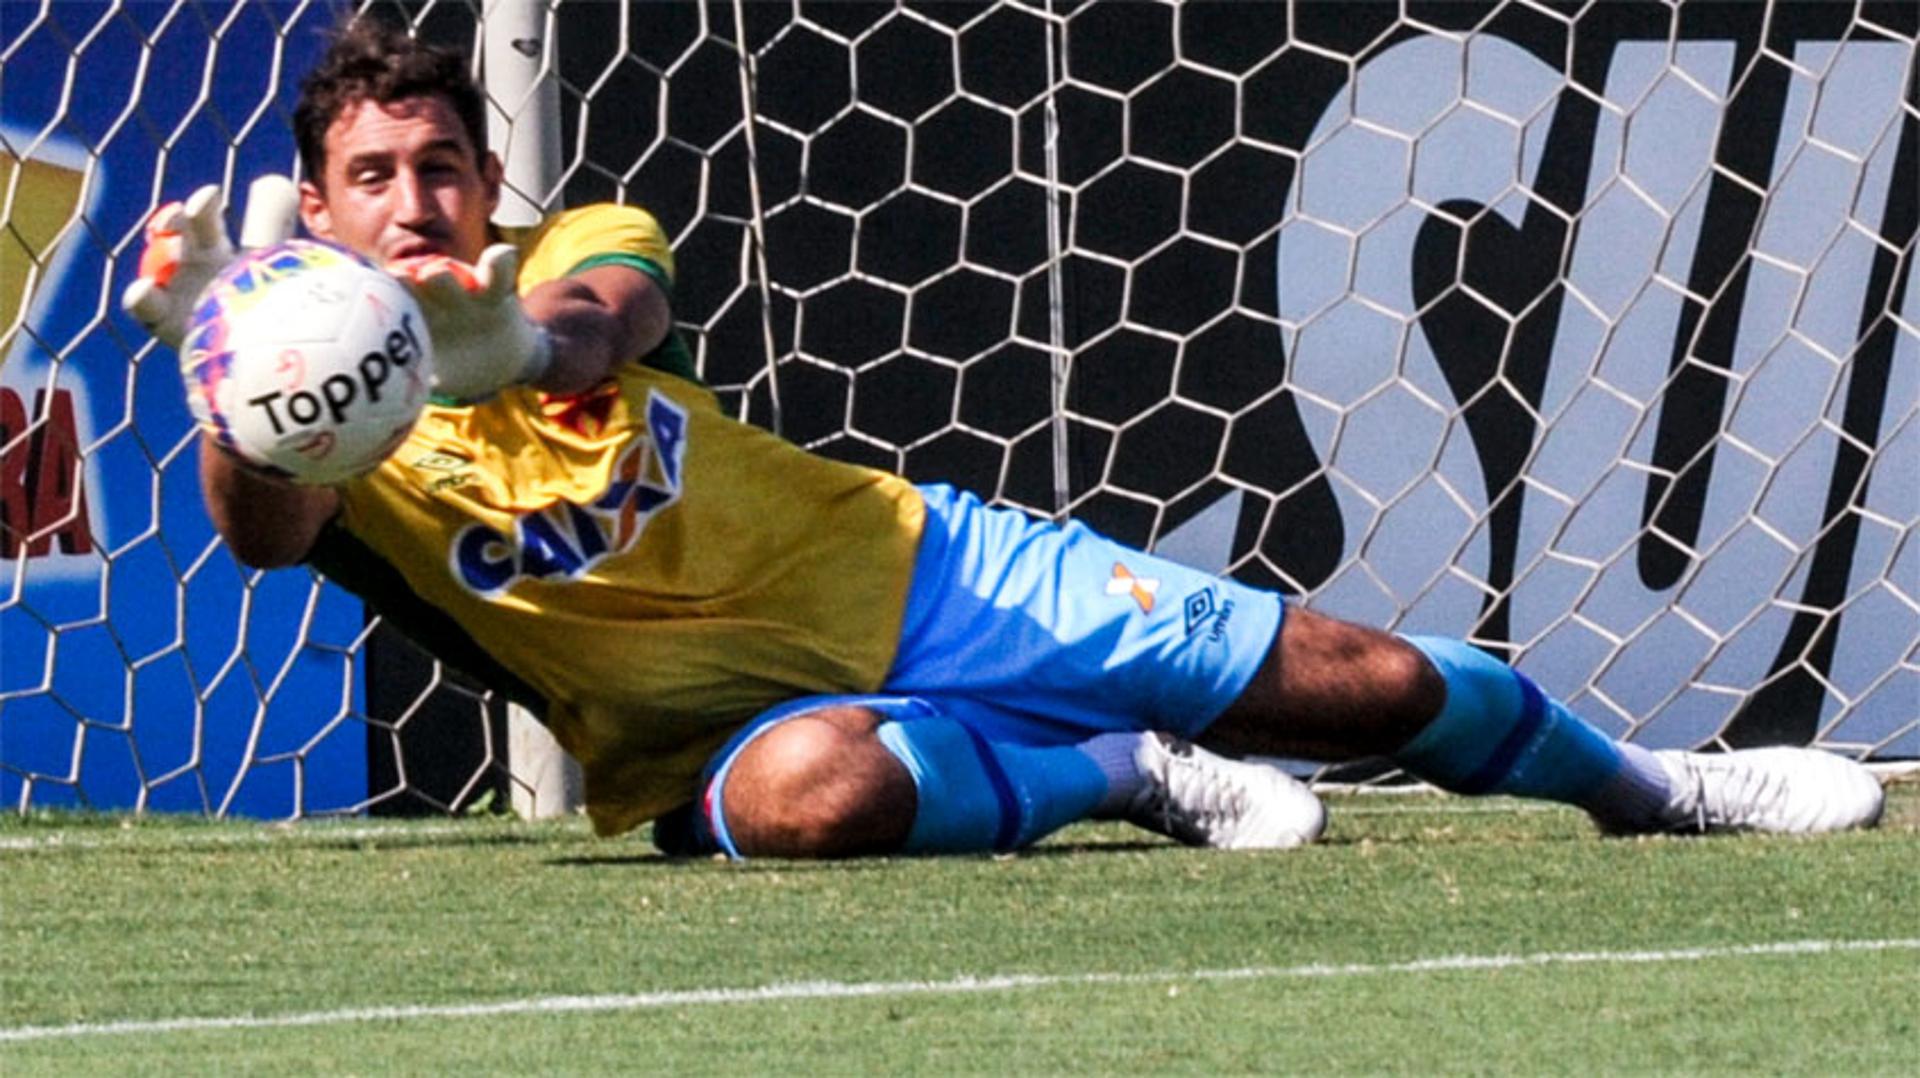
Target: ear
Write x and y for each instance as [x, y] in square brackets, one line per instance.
[313, 210]
[492, 174]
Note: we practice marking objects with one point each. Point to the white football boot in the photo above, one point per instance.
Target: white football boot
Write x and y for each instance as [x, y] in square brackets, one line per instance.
[1782, 790]
[1202, 799]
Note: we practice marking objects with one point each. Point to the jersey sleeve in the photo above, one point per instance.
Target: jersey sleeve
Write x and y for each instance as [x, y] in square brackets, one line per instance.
[608, 235]
[603, 234]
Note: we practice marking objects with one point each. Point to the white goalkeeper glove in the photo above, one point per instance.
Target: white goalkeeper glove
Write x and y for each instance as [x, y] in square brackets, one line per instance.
[187, 247]
[483, 340]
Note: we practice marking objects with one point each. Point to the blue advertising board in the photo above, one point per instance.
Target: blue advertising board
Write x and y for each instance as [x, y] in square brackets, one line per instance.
[140, 666]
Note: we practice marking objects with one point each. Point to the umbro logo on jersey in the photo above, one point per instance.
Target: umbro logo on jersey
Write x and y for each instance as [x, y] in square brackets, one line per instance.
[565, 539]
[1141, 588]
[447, 470]
[440, 461]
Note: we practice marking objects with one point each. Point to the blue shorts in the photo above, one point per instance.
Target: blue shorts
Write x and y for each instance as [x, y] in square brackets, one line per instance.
[1066, 633]
[1036, 633]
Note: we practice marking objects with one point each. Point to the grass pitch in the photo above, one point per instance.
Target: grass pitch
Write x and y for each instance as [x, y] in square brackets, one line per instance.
[1426, 934]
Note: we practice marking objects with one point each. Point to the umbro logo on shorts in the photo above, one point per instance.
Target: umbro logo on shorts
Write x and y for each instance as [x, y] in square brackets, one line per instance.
[1199, 609]
[1202, 608]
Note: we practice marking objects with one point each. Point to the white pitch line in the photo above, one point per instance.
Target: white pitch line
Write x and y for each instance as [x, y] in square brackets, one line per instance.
[834, 990]
[254, 836]
[1451, 808]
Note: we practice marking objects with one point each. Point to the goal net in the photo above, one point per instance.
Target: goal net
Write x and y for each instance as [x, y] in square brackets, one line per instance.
[1583, 332]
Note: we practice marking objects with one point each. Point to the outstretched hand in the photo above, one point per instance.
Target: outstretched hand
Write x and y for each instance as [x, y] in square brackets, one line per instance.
[187, 246]
[483, 340]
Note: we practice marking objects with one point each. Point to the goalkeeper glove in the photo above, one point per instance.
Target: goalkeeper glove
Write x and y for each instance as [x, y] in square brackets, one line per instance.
[187, 247]
[483, 340]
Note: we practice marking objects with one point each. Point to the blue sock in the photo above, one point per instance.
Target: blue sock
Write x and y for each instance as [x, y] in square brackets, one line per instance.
[977, 795]
[1499, 733]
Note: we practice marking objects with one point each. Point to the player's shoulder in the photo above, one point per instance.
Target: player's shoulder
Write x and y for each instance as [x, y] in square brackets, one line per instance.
[566, 240]
[599, 216]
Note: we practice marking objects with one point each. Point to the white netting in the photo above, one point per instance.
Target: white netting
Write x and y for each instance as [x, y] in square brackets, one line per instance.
[1584, 332]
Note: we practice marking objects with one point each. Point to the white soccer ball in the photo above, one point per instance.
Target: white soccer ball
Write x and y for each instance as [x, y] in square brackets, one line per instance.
[307, 361]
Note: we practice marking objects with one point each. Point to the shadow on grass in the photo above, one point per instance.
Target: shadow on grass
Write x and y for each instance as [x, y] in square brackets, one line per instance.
[655, 859]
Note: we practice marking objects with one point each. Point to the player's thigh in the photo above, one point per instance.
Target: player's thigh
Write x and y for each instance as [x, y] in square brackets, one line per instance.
[1063, 625]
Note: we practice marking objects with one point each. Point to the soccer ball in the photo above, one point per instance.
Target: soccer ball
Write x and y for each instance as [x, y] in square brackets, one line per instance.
[307, 361]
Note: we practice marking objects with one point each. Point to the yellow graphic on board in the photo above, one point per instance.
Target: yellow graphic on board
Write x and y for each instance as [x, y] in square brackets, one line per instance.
[37, 202]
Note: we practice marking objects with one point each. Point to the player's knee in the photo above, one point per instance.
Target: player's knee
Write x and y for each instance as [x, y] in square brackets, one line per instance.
[819, 785]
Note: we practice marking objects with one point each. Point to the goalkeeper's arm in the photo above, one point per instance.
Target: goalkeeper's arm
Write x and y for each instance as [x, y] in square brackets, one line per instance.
[596, 320]
[267, 522]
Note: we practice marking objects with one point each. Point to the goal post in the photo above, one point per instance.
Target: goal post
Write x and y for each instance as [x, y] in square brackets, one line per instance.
[1586, 333]
[523, 126]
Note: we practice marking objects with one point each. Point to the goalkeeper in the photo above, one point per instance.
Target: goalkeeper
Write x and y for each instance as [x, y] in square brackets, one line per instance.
[774, 653]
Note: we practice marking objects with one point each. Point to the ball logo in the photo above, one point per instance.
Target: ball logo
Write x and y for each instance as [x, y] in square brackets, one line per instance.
[308, 362]
[336, 393]
[292, 367]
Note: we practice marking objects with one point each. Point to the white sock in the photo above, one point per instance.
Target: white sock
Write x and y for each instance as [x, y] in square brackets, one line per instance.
[1118, 758]
[1636, 799]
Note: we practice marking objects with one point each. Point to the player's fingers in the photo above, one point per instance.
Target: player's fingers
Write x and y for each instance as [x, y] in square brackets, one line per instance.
[420, 269]
[450, 289]
[166, 220]
[272, 201]
[204, 228]
[499, 269]
[146, 301]
[416, 268]
[161, 258]
[436, 291]
[463, 275]
[405, 269]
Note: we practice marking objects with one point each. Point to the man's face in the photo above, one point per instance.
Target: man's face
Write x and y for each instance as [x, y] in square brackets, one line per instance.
[402, 179]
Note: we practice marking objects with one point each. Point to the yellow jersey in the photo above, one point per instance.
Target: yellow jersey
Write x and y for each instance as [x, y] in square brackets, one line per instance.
[657, 572]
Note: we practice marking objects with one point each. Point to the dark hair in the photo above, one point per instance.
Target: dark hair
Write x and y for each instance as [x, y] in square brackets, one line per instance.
[371, 60]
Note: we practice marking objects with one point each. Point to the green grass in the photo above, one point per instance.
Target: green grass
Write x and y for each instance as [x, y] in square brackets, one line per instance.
[107, 919]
